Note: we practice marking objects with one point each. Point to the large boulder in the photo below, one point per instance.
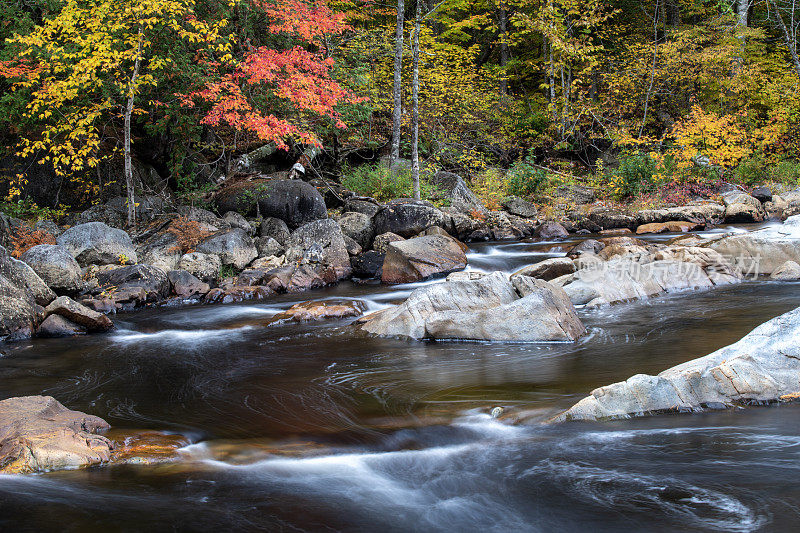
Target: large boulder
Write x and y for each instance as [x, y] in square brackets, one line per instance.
[22, 295]
[367, 265]
[234, 247]
[763, 251]
[293, 201]
[79, 314]
[490, 308]
[38, 434]
[97, 243]
[551, 230]
[741, 207]
[407, 217]
[320, 243]
[789, 271]
[422, 257]
[55, 326]
[205, 267]
[762, 366]
[522, 208]
[457, 192]
[162, 250]
[358, 227]
[357, 205]
[56, 266]
[608, 219]
[274, 228]
[580, 194]
[152, 280]
[267, 246]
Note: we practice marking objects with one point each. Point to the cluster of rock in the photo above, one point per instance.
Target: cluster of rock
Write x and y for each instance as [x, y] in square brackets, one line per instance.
[617, 269]
[300, 236]
[761, 367]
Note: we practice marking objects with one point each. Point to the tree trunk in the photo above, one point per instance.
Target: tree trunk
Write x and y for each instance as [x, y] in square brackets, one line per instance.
[503, 47]
[398, 88]
[789, 34]
[415, 103]
[128, 112]
[742, 11]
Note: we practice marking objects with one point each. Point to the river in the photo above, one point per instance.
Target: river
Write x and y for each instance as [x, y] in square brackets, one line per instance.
[307, 428]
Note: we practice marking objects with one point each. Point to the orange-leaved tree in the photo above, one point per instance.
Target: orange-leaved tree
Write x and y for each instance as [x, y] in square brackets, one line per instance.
[279, 93]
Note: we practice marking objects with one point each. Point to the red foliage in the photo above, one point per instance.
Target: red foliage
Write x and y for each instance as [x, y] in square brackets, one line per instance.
[297, 80]
[188, 233]
[24, 239]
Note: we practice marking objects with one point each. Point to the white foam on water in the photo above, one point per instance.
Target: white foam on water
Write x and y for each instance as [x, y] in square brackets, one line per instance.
[178, 335]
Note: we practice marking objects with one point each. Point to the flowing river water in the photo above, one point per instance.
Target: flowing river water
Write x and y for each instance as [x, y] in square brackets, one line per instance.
[304, 427]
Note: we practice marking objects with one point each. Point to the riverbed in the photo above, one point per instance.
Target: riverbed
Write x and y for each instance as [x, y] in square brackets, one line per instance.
[306, 427]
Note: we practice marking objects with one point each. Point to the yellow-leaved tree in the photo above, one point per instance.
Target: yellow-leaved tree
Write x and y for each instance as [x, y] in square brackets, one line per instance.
[86, 67]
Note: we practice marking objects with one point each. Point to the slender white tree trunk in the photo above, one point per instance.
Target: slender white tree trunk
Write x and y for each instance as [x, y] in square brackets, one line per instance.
[398, 85]
[128, 112]
[415, 103]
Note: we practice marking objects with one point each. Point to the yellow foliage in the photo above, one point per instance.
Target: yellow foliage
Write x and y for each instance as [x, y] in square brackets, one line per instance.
[720, 138]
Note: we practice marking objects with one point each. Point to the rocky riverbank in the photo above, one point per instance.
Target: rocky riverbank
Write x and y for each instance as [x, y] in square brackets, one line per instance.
[279, 236]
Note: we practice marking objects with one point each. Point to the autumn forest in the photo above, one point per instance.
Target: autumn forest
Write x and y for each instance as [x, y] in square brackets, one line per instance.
[642, 100]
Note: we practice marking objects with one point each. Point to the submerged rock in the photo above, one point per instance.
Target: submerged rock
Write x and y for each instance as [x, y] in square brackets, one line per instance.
[489, 308]
[321, 310]
[37, 434]
[762, 366]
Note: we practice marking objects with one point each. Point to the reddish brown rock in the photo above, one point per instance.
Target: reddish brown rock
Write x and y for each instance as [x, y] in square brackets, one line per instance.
[321, 310]
[676, 226]
[37, 433]
[615, 232]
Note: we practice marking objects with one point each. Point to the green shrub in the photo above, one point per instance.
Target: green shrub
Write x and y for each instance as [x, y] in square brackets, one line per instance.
[633, 176]
[751, 170]
[525, 179]
[377, 181]
[786, 172]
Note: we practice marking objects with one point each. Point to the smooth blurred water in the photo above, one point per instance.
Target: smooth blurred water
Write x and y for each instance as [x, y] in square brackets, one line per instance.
[307, 427]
